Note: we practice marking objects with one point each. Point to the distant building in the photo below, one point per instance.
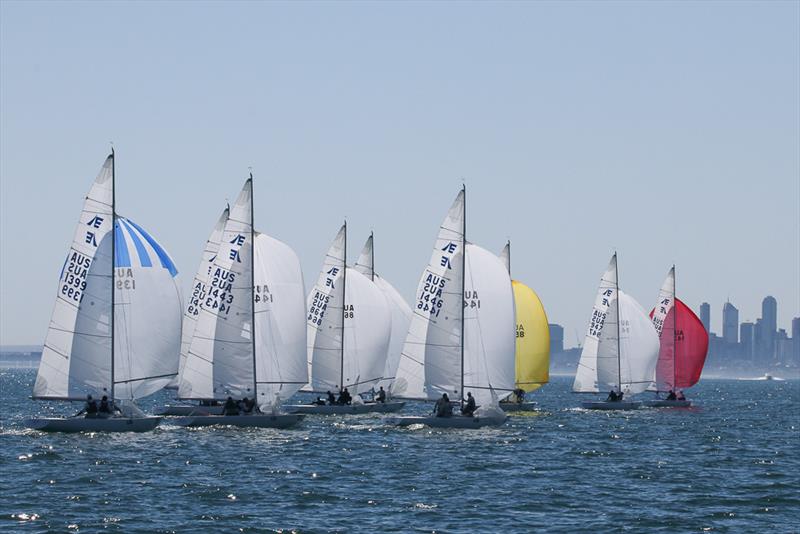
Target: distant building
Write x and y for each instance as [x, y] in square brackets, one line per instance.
[730, 323]
[556, 338]
[769, 322]
[796, 340]
[746, 337]
[705, 316]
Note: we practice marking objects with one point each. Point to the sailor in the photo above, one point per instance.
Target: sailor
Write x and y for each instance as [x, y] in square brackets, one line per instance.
[331, 398]
[344, 397]
[105, 407]
[247, 405]
[319, 402]
[671, 395]
[680, 396]
[230, 407]
[612, 396]
[469, 407]
[519, 395]
[443, 408]
[381, 395]
[90, 409]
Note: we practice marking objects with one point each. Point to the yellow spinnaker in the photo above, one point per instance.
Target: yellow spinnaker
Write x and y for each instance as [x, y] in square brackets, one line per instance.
[533, 339]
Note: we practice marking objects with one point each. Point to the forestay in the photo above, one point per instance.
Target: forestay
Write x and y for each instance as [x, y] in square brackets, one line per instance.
[220, 358]
[586, 375]
[430, 362]
[489, 339]
[199, 291]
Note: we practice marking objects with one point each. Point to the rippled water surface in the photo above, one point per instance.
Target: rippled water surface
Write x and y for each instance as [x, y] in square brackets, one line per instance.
[731, 464]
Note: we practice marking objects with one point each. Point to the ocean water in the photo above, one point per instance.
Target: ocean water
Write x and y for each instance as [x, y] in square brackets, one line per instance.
[732, 464]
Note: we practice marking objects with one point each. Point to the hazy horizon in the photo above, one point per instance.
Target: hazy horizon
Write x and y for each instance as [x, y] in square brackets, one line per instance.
[667, 131]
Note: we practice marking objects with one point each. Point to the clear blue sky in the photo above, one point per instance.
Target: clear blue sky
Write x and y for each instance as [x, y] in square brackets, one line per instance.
[666, 130]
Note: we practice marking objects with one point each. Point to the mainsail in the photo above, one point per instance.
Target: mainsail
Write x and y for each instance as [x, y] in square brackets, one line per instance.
[586, 375]
[347, 347]
[199, 290]
[78, 358]
[430, 363]
[401, 313]
[683, 340]
[532, 335]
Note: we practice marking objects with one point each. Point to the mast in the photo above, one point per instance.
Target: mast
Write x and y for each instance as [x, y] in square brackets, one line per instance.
[674, 332]
[372, 254]
[619, 340]
[253, 292]
[463, 275]
[344, 314]
[113, 258]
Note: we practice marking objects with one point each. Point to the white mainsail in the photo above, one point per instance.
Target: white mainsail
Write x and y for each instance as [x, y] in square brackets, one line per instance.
[325, 318]
[220, 359]
[666, 300]
[199, 290]
[77, 355]
[401, 313]
[586, 375]
[489, 327]
[430, 363]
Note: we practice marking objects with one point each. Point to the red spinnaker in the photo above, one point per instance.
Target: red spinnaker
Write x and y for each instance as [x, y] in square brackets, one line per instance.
[684, 345]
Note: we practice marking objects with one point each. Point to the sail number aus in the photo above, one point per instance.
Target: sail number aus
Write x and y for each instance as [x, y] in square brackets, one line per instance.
[430, 298]
[73, 281]
[318, 306]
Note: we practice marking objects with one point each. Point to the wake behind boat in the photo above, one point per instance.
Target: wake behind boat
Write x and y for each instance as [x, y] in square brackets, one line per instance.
[345, 409]
[114, 332]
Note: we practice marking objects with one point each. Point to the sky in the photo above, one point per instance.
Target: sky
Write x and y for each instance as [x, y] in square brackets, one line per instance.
[667, 131]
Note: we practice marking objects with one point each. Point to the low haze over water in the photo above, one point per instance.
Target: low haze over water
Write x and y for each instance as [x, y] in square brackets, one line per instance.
[730, 464]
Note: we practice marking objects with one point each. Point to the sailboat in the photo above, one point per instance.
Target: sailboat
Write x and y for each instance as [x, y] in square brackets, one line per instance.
[683, 345]
[401, 312]
[249, 338]
[192, 308]
[115, 327]
[532, 339]
[620, 349]
[461, 338]
[349, 326]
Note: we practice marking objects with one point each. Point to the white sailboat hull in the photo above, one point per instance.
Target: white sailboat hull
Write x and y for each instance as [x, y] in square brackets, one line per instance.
[518, 406]
[188, 409]
[94, 424]
[243, 421]
[611, 405]
[455, 421]
[664, 403]
[347, 409]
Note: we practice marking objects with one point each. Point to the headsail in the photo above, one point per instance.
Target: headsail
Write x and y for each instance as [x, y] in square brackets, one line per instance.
[199, 291]
[489, 339]
[430, 363]
[220, 359]
[366, 260]
[586, 375]
[76, 357]
[280, 311]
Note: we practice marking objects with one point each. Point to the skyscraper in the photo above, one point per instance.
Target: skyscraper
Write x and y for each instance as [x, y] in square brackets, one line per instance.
[796, 339]
[730, 323]
[705, 316]
[769, 327]
[747, 337]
